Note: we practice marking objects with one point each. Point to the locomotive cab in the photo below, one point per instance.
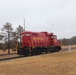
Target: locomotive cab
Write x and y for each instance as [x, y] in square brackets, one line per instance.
[56, 43]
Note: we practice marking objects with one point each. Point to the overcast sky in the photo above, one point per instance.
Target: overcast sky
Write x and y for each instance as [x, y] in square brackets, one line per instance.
[57, 16]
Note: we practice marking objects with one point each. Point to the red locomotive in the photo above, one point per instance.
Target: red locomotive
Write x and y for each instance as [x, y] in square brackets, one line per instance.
[34, 43]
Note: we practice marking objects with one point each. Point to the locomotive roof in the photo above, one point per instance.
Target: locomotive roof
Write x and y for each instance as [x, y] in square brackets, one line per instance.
[47, 33]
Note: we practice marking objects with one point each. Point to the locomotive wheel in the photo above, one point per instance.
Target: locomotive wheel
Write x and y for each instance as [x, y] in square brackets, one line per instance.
[40, 51]
[26, 51]
[46, 50]
[33, 52]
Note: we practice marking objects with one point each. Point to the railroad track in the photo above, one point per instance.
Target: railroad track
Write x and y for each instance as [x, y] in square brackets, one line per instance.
[9, 57]
[14, 56]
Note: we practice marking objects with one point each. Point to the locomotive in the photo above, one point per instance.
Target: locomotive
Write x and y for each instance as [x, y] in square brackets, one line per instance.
[34, 43]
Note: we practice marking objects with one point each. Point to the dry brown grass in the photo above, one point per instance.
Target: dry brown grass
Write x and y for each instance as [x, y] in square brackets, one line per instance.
[6, 51]
[62, 63]
[66, 46]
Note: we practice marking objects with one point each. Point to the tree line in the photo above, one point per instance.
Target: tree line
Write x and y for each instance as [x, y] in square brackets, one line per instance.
[69, 41]
[10, 37]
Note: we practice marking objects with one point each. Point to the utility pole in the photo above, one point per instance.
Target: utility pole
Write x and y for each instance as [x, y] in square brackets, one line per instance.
[24, 24]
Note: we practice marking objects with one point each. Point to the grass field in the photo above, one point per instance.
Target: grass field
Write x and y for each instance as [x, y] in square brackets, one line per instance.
[61, 63]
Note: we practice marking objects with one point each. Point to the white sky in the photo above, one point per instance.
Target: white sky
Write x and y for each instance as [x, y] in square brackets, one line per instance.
[57, 16]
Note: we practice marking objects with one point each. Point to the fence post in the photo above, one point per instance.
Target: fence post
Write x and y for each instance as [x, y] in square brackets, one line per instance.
[69, 48]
